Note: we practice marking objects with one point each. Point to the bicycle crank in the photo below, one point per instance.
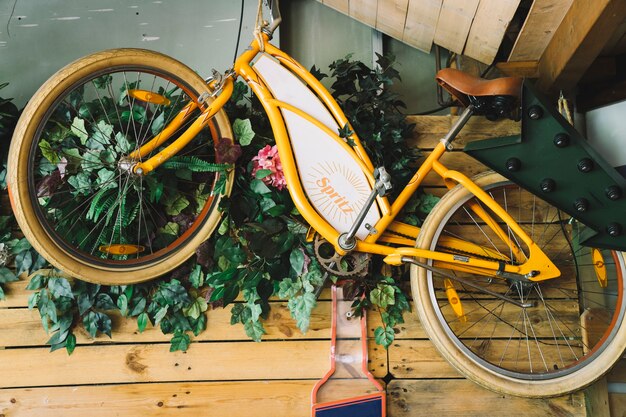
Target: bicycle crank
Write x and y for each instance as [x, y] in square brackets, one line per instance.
[349, 265]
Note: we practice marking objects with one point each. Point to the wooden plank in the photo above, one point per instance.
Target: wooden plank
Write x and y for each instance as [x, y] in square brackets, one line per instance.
[617, 404]
[364, 11]
[190, 399]
[340, 5]
[455, 21]
[618, 373]
[21, 327]
[418, 359]
[391, 16]
[134, 363]
[488, 28]
[421, 22]
[526, 69]
[429, 130]
[597, 399]
[462, 397]
[542, 20]
[17, 295]
[584, 31]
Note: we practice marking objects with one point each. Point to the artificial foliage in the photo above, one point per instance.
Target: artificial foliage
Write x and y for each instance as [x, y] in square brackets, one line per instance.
[259, 249]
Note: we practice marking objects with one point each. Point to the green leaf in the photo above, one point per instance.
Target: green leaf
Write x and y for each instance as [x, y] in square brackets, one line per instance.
[23, 262]
[60, 287]
[79, 130]
[122, 304]
[57, 337]
[288, 288]
[300, 308]
[48, 152]
[262, 173]
[105, 302]
[180, 341]
[160, 315]
[142, 322]
[199, 325]
[254, 330]
[296, 259]
[243, 131]
[6, 275]
[176, 204]
[383, 295]
[384, 336]
[70, 343]
[236, 313]
[196, 278]
[259, 187]
[196, 308]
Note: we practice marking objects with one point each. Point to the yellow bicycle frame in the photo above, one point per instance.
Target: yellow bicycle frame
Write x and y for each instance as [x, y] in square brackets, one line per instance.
[397, 238]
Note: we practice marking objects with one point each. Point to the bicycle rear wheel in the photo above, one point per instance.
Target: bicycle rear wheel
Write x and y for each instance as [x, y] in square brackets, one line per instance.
[74, 192]
[575, 330]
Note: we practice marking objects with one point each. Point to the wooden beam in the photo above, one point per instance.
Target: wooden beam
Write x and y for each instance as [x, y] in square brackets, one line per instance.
[421, 22]
[527, 69]
[391, 16]
[339, 5]
[488, 28]
[455, 21]
[583, 33]
[364, 11]
[539, 27]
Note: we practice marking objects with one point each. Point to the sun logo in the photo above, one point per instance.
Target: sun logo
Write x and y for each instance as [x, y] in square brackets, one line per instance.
[336, 191]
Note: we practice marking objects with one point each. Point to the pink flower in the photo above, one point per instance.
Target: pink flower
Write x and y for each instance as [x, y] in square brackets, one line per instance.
[269, 159]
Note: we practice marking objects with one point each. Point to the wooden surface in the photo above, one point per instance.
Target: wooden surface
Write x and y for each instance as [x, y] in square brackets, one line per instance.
[223, 372]
[543, 18]
[449, 23]
[584, 31]
[488, 28]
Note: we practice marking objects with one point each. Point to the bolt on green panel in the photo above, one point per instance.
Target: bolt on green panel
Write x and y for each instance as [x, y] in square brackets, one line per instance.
[553, 161]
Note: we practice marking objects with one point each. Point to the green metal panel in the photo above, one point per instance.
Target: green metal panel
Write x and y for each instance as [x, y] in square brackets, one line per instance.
[533, 158]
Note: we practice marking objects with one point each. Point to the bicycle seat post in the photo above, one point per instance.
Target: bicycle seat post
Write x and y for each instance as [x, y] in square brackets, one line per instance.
[456, 128]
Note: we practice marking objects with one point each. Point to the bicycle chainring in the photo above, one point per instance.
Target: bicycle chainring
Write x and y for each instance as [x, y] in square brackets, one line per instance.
[353, 264]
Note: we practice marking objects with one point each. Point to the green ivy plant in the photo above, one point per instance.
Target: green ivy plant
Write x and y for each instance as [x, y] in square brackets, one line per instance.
[260, 248]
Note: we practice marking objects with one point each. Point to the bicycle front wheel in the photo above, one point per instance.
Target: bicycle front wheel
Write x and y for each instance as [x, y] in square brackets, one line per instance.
[574, 331]
[74, 191]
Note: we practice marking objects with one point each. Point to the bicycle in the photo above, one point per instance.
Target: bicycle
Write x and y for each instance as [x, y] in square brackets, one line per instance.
[116, 173]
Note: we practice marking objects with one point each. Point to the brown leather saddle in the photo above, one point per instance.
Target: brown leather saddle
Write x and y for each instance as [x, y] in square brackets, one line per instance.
[497, 95]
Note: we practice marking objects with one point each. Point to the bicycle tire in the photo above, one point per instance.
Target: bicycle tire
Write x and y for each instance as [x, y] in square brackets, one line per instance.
[493, 342]
[73, 193]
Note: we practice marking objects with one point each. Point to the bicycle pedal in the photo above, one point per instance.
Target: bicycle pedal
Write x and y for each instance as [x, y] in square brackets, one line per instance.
[149, 97]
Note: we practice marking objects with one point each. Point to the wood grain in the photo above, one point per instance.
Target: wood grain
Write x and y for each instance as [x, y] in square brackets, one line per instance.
[542, 20]
[488, 28]
[391, 17]
[455, 21]
[462, 397]
[421, 23]
[133, 363]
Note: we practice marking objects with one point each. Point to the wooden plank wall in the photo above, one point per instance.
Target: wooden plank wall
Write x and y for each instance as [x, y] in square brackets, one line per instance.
[472, 27]
[223, 372]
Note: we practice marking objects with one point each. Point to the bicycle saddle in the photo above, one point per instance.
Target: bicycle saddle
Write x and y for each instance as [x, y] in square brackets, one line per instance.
[462, 85]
